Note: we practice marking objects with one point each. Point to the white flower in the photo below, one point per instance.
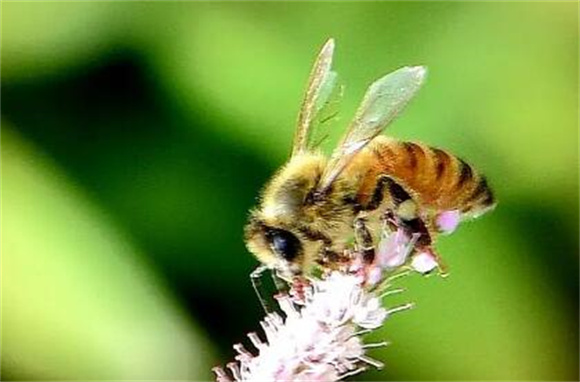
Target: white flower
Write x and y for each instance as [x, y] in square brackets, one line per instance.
[317, 342]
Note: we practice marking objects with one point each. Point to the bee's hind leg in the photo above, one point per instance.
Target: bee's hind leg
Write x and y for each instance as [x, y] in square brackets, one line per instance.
[403, 214]
[424, 258]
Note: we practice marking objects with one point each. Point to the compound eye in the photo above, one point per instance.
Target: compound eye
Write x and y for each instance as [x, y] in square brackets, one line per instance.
[285, 244]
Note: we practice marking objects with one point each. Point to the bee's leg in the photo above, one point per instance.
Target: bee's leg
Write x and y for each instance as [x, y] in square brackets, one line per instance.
[426, 259]
[256, 279]
[418, 226]
[403, 213]
[390, 221]
[364, 240]
[424, 244]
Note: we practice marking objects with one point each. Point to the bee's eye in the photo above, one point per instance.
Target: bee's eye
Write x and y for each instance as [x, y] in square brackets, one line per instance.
[285, 244]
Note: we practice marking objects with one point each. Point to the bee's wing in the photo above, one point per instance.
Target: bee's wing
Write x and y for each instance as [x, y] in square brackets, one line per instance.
[320, 101]
[383, 101]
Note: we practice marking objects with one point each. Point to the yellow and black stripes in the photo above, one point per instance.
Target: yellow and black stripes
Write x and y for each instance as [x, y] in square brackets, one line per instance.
[434, 177]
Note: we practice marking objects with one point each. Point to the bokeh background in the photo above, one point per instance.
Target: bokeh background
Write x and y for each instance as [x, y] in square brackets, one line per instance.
[136, 135]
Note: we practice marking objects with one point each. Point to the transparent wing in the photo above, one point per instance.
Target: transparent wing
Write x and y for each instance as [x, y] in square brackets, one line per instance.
[383, 101]
[320, 102]
[326, 111]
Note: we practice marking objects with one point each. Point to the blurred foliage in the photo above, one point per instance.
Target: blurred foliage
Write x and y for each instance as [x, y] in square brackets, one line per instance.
[136, 135]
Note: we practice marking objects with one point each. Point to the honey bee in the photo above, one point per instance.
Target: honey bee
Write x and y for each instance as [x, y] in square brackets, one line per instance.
[314, 205]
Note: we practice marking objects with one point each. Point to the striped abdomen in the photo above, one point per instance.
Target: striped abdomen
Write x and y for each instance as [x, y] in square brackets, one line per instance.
[436, 178]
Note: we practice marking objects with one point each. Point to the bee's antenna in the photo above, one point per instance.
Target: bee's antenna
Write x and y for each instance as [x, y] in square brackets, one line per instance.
[256, 279]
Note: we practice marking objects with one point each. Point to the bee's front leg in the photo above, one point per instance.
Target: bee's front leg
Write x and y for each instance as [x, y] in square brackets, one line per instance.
[363, 239]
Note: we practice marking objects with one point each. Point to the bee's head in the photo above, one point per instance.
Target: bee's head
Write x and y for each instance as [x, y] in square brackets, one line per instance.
[276, 247]
[271, 233]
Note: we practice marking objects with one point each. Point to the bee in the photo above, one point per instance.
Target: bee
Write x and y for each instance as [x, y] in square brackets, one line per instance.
[314, 205]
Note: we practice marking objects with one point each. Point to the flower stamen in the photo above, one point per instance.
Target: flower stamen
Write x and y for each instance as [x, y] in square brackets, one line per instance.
[400, 308]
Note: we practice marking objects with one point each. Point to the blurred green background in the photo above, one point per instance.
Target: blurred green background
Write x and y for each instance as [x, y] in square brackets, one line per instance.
[136, 135]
